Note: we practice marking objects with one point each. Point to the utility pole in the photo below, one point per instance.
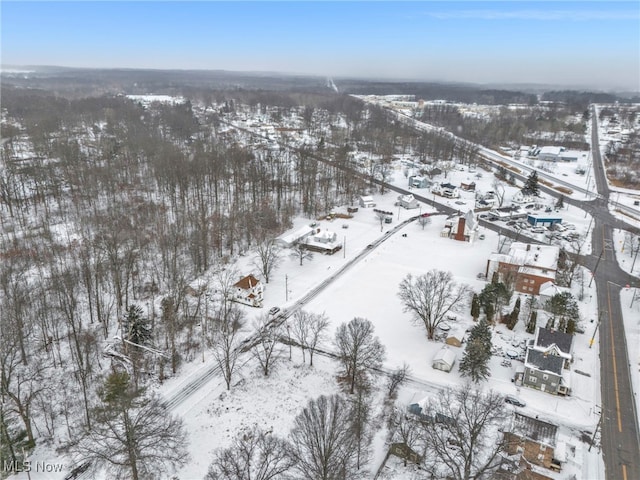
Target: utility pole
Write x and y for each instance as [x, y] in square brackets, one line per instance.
[344, 247]
[596, 269]
[636, 254]
[286, 288]
[596, 329]
[596, 432]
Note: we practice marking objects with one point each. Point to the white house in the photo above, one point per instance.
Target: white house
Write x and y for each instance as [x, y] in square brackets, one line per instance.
[550, 154]
[323, 241]
[444, 359]
[299, 235]
[417, 181]
[366, 201]
[249, 290]
[523, 196]
[446, 190]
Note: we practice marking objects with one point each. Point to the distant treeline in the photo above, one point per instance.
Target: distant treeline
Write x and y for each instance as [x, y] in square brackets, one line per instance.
[581, 100]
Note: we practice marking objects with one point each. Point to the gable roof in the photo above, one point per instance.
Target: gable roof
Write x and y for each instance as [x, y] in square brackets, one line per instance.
[534, 429]
[247, 282]
[445, 355]
[546, 338]
[544, 361]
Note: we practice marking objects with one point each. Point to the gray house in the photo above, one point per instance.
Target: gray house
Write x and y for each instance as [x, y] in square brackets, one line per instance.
[546, 366]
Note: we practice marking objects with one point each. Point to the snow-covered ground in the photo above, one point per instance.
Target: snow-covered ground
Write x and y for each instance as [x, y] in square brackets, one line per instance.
[630, 300]
[369, 289]
[627, 252]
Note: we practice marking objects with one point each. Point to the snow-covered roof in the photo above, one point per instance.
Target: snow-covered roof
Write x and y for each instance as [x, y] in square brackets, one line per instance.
[409, 198]
[546, 338]
[534, 429]
[296, 235]
[542, 361]
[445, 355]
[549, 150]
[549, 289]
[543, 257]
[324, 238]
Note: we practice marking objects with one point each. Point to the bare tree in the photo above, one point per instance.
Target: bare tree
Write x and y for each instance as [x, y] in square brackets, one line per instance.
[498, 190]
[381, 216]
[132, 435]
[317, 331]
[300, 251]
[266, 350]
[404, 428]
[361, 423]
[224, 339]
[430, 297]
[397, 378]
[308, 329]
[254, 455]
[358, 350]
[268, 256]
[463, 438]
[299, 329]
[20, 385]
[424, 220]
[322, 444]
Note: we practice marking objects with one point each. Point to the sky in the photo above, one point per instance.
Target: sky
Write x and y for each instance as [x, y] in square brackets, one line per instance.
[575, 43]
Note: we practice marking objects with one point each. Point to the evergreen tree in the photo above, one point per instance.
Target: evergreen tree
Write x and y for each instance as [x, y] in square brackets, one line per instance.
[531, 185]
[489, 311]
[513, 316]
[132, 434]
[533, 321]
[492, 297]
[136, 328]
[475, 307]
[560, 202]
[475, 363]
[563, 308]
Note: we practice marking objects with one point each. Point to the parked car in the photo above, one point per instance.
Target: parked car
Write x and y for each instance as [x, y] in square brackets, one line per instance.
[514, 401]
[274, 310]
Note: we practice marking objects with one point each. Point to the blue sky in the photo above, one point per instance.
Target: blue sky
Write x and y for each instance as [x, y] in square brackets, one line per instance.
[595, 44]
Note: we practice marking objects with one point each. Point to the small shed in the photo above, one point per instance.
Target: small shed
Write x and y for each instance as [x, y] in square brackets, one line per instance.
[366, 201]
[454, 341]
[444, 359]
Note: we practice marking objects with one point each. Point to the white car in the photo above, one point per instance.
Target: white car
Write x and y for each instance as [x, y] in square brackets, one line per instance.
[274, 310]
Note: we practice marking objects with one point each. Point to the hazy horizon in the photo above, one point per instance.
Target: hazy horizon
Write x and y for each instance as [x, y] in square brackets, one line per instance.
[572, 44]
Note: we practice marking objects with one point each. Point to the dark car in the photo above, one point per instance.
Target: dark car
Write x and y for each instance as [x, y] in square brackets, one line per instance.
[514, 401]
